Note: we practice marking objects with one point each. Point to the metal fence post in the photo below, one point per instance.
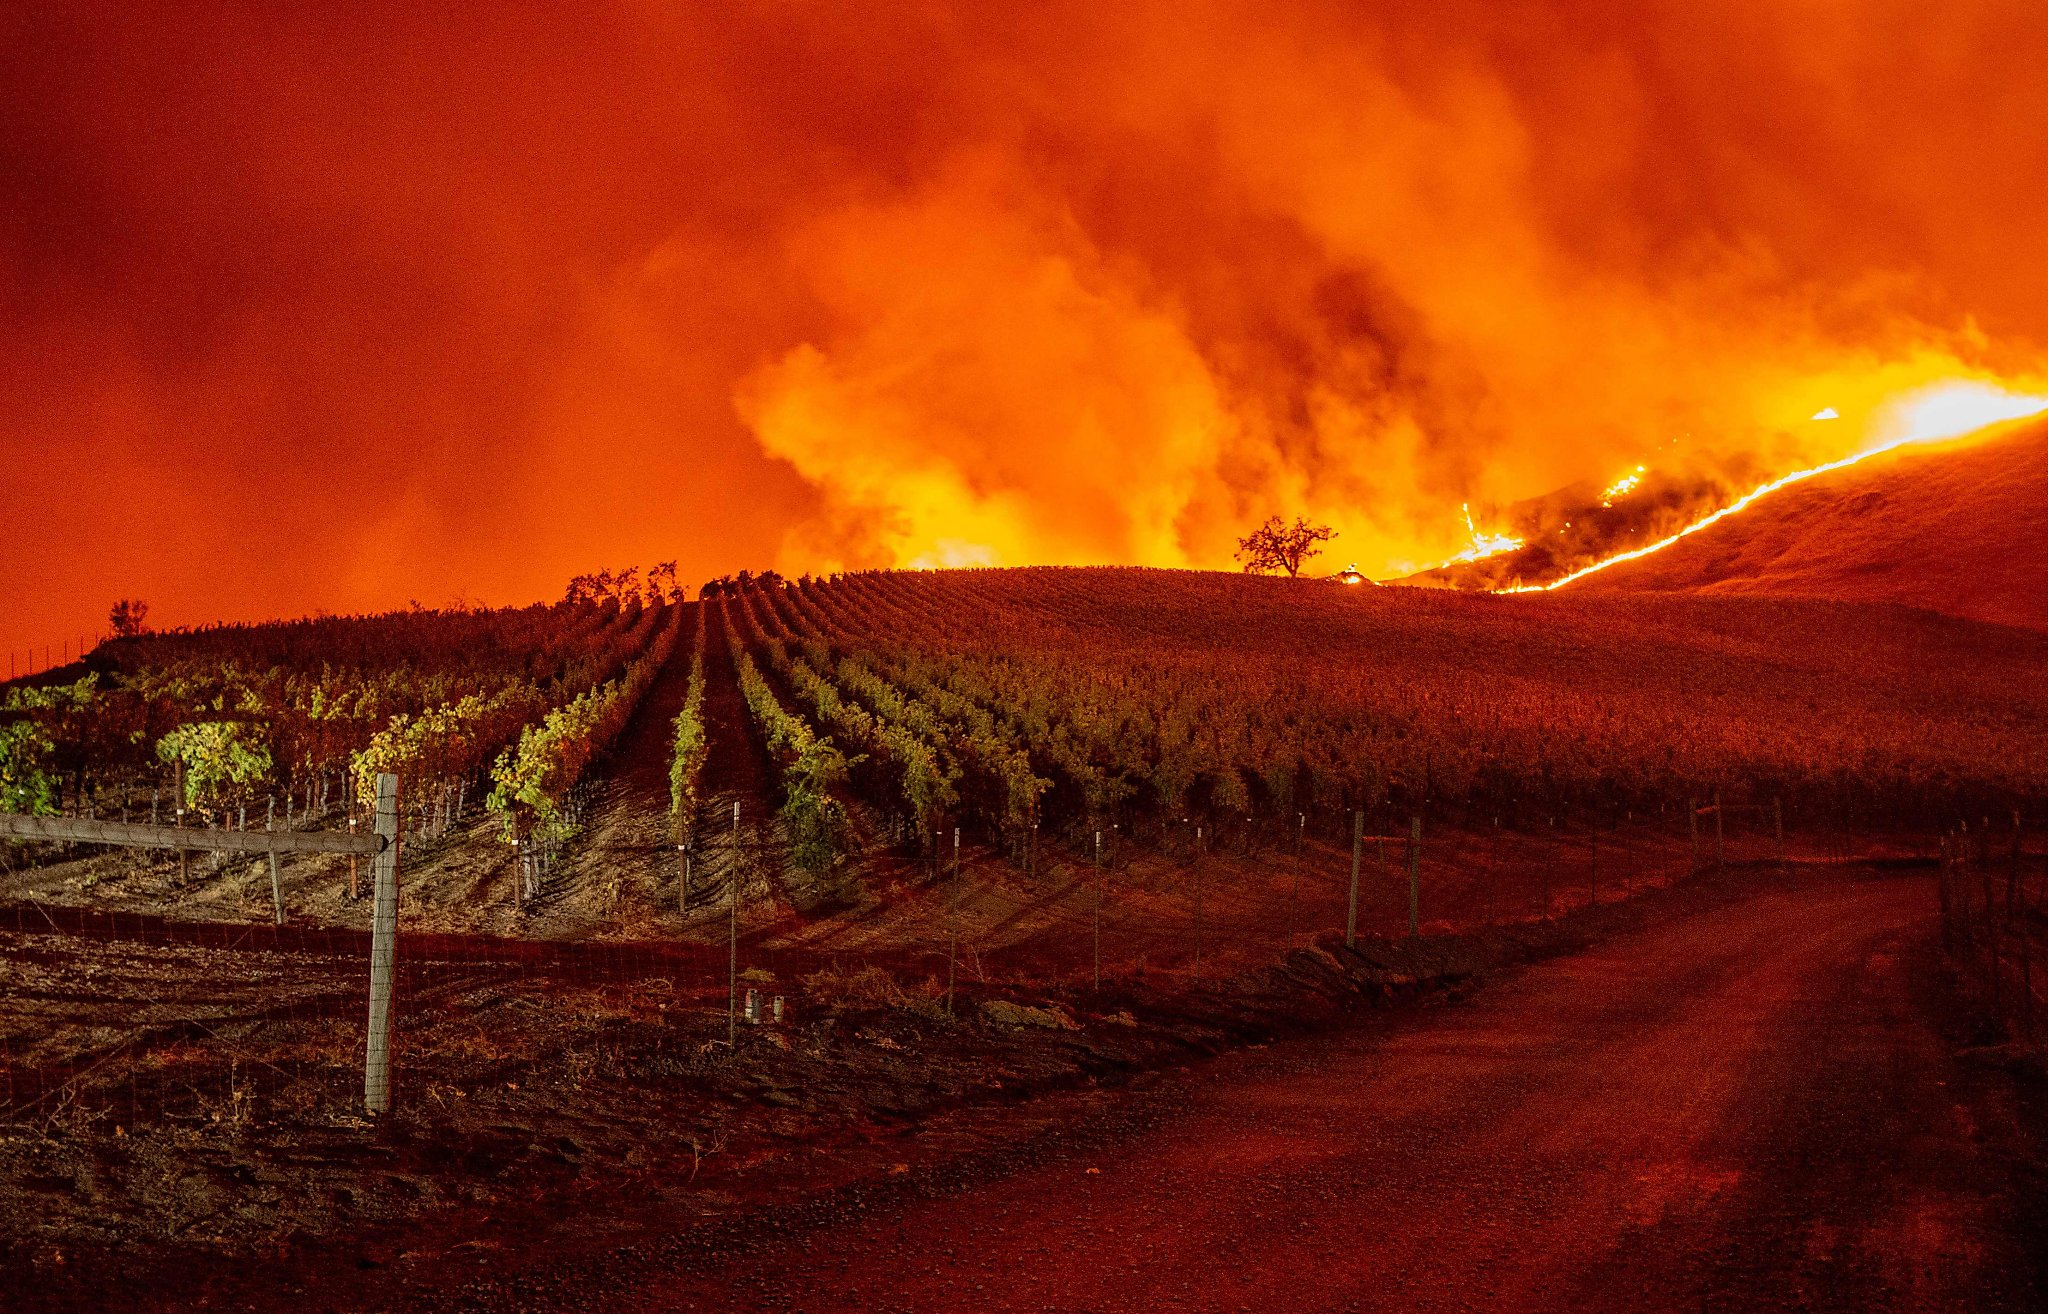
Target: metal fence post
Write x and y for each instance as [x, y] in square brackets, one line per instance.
[383, 948]
[1414, 874]
[953, 921]
[1294, 889]
[184, 869]
[732, 939]
[1357, 850]
[1095, 927]
[2017, 889]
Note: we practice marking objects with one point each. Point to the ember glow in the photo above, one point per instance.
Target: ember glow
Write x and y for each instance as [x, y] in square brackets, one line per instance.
[1929, 415]
[1623, 486]
[307, 313]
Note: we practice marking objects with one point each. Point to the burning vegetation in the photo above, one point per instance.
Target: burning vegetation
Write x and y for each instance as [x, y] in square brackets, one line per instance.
[1576, 531]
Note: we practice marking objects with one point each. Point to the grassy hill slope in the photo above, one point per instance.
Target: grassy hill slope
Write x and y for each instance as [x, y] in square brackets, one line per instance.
[1956, 529]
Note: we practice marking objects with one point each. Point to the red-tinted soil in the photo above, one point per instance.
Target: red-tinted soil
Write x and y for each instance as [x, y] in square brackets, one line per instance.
[1757, 1108]
[626, 852]
[1742, 1101]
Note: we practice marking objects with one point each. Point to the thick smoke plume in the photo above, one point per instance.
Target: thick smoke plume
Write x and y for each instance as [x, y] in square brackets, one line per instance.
[311, 310]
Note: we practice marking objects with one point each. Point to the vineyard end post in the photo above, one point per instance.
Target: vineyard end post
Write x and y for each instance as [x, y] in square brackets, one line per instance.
[1941, 898]
[383, 948]
[953, 922]
[1414, 875]
[1096, 919]
[1593, 859]
[1357, 852]
[1294, 889]
[2013, 883]
[732, 940]
[184, 870]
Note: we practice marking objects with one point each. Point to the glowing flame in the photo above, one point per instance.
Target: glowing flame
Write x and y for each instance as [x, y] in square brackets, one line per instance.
[1623, 486]
[1943, 411]
[1483, 545]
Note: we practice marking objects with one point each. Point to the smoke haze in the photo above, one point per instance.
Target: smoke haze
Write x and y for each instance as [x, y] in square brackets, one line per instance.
[303, 308]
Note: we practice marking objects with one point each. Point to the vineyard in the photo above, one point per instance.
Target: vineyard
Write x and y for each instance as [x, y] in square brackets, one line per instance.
[504, 710]
[1055, 698]
[828, 741]
[948, 809]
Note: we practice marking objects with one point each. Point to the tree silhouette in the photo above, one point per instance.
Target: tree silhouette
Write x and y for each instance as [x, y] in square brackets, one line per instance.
[1276, 545]
[127, 618]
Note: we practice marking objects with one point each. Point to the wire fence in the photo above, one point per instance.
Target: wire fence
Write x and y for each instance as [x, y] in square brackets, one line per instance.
[37, 658]
[244, 996]
[1993, 923]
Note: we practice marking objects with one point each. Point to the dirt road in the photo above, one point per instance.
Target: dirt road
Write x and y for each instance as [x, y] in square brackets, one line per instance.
[1754, 1108]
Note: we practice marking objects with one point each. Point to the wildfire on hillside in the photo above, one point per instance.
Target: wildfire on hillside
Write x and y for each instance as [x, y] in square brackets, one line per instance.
[1576, 531]
[822, 286]
[1550, 536]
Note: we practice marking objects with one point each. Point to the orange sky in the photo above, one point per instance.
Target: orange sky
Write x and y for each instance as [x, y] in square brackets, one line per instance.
[303, 311]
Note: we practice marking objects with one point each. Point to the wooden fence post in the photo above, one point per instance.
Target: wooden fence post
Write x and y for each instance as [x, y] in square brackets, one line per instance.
[276, 886]
[1357, 850]
[1414, 874]
[1197, 875]
[383, 948]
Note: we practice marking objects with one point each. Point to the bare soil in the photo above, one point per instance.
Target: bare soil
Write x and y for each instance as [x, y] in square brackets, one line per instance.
[1763, 1107]
[185, 1120]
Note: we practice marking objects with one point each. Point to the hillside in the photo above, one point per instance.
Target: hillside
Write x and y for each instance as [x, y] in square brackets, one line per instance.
[864, 730]
[1956, 529]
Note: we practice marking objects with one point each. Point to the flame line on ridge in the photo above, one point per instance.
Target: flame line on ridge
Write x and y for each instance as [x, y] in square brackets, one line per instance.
[1797, 476]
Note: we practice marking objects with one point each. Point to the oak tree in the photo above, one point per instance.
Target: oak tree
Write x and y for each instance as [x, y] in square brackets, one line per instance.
[1276, 545]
